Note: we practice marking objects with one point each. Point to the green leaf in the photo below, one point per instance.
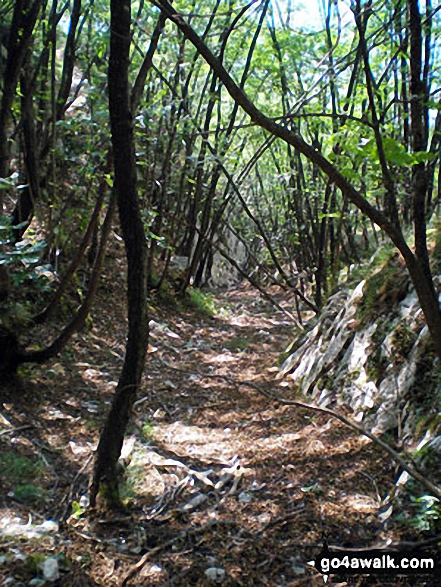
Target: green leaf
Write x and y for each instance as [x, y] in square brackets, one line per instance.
[329, 215]
[423, 156]
[395, 153]
[5, 183]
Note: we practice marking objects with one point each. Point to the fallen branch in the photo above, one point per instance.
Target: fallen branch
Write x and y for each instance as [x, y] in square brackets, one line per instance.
[409, 468]
[394, 545]
[17, 429]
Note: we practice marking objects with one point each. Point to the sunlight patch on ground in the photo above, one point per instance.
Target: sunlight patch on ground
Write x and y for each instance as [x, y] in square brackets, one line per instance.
[223, 358]
[360, 503]
[197, 441]
[12, 525]
[211, 445]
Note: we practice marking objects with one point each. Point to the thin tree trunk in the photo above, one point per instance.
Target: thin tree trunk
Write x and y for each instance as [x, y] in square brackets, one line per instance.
[38, 144]
[20, 36]
[88, 235]
[112, 436]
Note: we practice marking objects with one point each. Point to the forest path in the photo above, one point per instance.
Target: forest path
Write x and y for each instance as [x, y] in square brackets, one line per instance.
[220, 476]
[281, 478]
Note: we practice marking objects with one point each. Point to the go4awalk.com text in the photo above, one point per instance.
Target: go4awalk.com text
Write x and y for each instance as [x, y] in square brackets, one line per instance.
[379, 562]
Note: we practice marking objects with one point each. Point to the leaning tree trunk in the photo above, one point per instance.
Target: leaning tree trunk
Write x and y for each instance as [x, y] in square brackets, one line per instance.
[417, 264]
[112, 436]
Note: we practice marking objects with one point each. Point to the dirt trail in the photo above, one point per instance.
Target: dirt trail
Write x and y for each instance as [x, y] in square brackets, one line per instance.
[221, 480]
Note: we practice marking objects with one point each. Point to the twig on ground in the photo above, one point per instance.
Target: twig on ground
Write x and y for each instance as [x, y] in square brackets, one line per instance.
[86, 536]
[184, 534]
[281, 520]
[72, 485]
[394, 545]
[17, 429]
[144, 559]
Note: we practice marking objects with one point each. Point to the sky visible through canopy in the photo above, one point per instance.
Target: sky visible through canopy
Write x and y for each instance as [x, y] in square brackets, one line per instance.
[298, 14]
[304, 14]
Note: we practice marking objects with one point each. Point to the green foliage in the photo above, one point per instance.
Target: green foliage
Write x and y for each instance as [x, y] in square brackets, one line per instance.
[89, 322]
[202, 302]
[383, 291]
[315, 489]
[24, 254]
[425, 392]
[28, 493]
[147, 432]
[292, 73]
[25, 271]
[394, 152]
[426, 515]
[17, 468]
[77, 510]
[434, 232]
[237, 344]
[26, 371]
[110, 495]
[20, 472]
[304, 219]
[366, 268]
[403, 340]
[419, 511]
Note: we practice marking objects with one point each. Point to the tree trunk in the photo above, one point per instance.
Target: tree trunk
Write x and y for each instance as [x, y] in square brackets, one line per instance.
[112, 436]
[20, 36]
